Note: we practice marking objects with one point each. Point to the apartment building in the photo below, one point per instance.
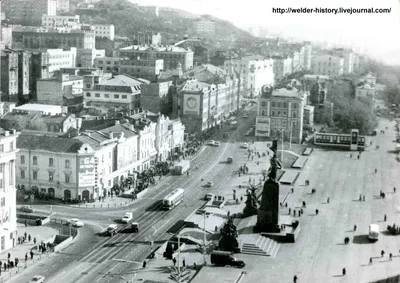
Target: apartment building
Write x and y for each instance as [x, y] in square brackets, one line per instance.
[9, 75]
[205, 26]
[327, 65]
[107, 31]
[28, 12]
[54, 21]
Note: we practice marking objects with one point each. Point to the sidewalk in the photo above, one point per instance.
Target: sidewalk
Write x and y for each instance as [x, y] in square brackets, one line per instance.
[41, 233]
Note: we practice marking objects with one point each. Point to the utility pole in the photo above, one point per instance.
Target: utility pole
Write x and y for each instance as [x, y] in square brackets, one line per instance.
[204, 239]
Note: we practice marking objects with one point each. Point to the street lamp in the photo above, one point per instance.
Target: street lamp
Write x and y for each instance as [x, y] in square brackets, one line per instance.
[204, 239]
[282, 132]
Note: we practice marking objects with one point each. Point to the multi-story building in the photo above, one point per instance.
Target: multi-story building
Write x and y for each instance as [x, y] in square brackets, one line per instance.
[8, 197]
[41, 38]
[148, 69]
[104, 31]
[282, 66]
[58, 89]
[6, 37]
[280, 111]
[347, 55]
[308, 118]
[356, 62]
[155, 97]
[85, 57]
[120, 92]
[366, 91]
[172, 55]
[39, 68]
[327, 65]
[307, 55]
[61, 58]
[9, 75]
[107, 64]
[62, 6]
[28, 12]
[205, 26]
[54, 21]
[254, 72]
[24, 63]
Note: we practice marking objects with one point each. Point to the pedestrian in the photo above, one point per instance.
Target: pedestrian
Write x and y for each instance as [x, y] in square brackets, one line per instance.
[285, 204]
[183, 263]
[394, 189]
[29, 238]
[316, 211]
[384, 218]
[292, 191]
[355, 228]
[294, 212]
[363, 197]
[327, 200]
[9, 256]
[174, 261]
[370, 261]
[360, 198]
[25, 235]
[344, 271]
[382, 253]
[34, 241]
[376, 170]
[295, 279]
[26, 223]
[390, 256]
[31, 254]
[144, 264]
[26, 257]
[5, 266]
[16, 262]
[290, 210]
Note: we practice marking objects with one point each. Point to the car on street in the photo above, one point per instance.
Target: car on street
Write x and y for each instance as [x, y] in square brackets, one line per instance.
[26, 209]
[127, 217]
[37, 279]
[209, 196]
[112, 229]
[211, 142]
[209, 184]
[217, 143]
[75, 222]
[245, 145]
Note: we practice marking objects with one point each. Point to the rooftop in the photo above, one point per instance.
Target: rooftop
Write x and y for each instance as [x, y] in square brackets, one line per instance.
[155, 48]
[40, 108]
[43, 141]
[65, 79]
[195, 86]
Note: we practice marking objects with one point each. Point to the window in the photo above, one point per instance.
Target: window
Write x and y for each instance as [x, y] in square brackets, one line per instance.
[106, 95]
[263, 104]
[34, 175]
[273, 113]
[67, 178]
[22, 158]
[51, 161]
[22, 174]
[295, 105]
[97, 94]
[116, 95]
[285, 113]
[88, 85]
[3, 202]
[66, 163]
[124, 96]
[88, 94]
[34, 160]
[294, 114]
[51, 176]
[279, 113]
[11, 145]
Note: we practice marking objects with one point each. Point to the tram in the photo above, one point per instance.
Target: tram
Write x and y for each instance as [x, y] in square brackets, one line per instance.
[346, 141]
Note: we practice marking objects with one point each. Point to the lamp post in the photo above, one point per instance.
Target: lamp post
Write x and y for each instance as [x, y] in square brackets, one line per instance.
[204, 239]
[290, 136]
[282, 131]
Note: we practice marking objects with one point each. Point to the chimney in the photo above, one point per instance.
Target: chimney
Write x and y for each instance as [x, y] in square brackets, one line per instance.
[14, 131]
[111, 135]
[116, 122]
[6, 133]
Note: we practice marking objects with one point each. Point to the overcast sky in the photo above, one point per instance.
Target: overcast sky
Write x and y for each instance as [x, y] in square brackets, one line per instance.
[379, 33]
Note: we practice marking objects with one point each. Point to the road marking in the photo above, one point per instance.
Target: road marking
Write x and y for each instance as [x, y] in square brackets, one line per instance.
[125, 260]
[161, 227]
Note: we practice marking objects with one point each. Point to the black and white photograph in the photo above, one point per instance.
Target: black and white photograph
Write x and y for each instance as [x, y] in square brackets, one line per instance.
[199, 141]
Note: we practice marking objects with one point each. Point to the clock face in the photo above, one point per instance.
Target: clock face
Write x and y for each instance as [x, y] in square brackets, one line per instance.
[191, 102]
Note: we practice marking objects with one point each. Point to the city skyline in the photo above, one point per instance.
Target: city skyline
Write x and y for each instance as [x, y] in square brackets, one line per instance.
[372, 32]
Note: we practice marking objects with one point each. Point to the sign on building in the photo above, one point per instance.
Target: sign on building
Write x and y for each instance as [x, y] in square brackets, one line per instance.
[263, 127]
[191, 104]
[86, 171]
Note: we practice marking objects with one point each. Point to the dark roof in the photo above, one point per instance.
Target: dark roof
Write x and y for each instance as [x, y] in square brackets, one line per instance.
[41, 141]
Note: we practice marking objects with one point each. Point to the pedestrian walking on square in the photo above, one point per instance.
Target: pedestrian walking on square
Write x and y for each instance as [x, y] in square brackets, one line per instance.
[294, 212]
[363, 197]
[5, 266]
[295, 279]
[360, 198]
[382, 253]
[370, 261]
[29, 238]
[327, 200]
[394, 189]
[290, 210]
[376, 170]
[144, 264]
[344, 271]
[316, 211]
[390, 256]
[34, 241]
[384, 218]
[174, 261]
[31, 254]
[183, 263]
[9, 256]
[26, 257]
[355, 228]
[26, 223]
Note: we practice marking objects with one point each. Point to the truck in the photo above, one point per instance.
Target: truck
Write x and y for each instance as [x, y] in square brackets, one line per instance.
[373, 234]
[397, 148]
[223, 258]
[182, 167]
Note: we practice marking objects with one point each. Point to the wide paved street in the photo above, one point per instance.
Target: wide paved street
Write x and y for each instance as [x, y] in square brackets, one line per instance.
[319, 253]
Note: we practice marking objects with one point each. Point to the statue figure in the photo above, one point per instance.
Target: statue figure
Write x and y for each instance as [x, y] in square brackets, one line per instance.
[251, 203]
[229, 236]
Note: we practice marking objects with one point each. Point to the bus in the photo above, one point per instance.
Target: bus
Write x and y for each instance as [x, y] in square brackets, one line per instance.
[173, 199]
[373, 234]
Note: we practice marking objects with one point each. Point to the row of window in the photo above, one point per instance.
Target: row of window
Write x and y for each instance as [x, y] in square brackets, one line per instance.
[106, 95]
[67, 177]
[51, 161]
[10, 148]
[10, 174]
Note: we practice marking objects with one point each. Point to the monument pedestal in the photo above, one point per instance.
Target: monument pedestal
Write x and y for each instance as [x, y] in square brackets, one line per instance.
[265, 222]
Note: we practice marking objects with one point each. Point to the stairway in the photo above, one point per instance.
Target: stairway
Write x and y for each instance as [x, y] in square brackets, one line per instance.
[255, 244]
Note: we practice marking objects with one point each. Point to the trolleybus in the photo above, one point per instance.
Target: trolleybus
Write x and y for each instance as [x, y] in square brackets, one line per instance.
[173, 199]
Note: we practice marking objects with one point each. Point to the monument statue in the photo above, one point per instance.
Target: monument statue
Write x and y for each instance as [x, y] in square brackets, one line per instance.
[251, 203]
[268, 213]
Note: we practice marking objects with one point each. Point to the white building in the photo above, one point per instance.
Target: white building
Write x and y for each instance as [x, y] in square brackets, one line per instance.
[61, 58]
[255, 72]
[86, 57]
[205, 26]
[61, 21]
[104, 31]
[41, 109]
[8, 224]
[327, 65]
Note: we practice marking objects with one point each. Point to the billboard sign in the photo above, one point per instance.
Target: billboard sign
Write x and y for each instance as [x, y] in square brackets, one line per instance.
[191, 104]
[263, 127]
[86, 171]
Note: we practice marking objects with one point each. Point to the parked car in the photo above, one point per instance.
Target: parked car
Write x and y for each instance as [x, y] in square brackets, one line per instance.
[75, 222]
[127, 217]
[210, 184]
[225, 258]
[211, 142]
[229, 160]
[217, 143]
[245, 145]
[209, 196]
[26, 209]
[112, 229]
[37, 279]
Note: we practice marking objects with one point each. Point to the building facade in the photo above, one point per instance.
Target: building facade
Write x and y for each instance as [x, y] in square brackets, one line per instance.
[347, 55]
[28, 12]
[104, 31]
[148, 69]
[172, 55]
[205, 26]
[39, 69]
[62, 6]
[24, 63]
[86, 57]
[8, 197]
[280, 111]
[61, 58]
[156, 98]
[327, 65]
[107, 64]
[9, 75]
[54, 21]
[282, 66]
